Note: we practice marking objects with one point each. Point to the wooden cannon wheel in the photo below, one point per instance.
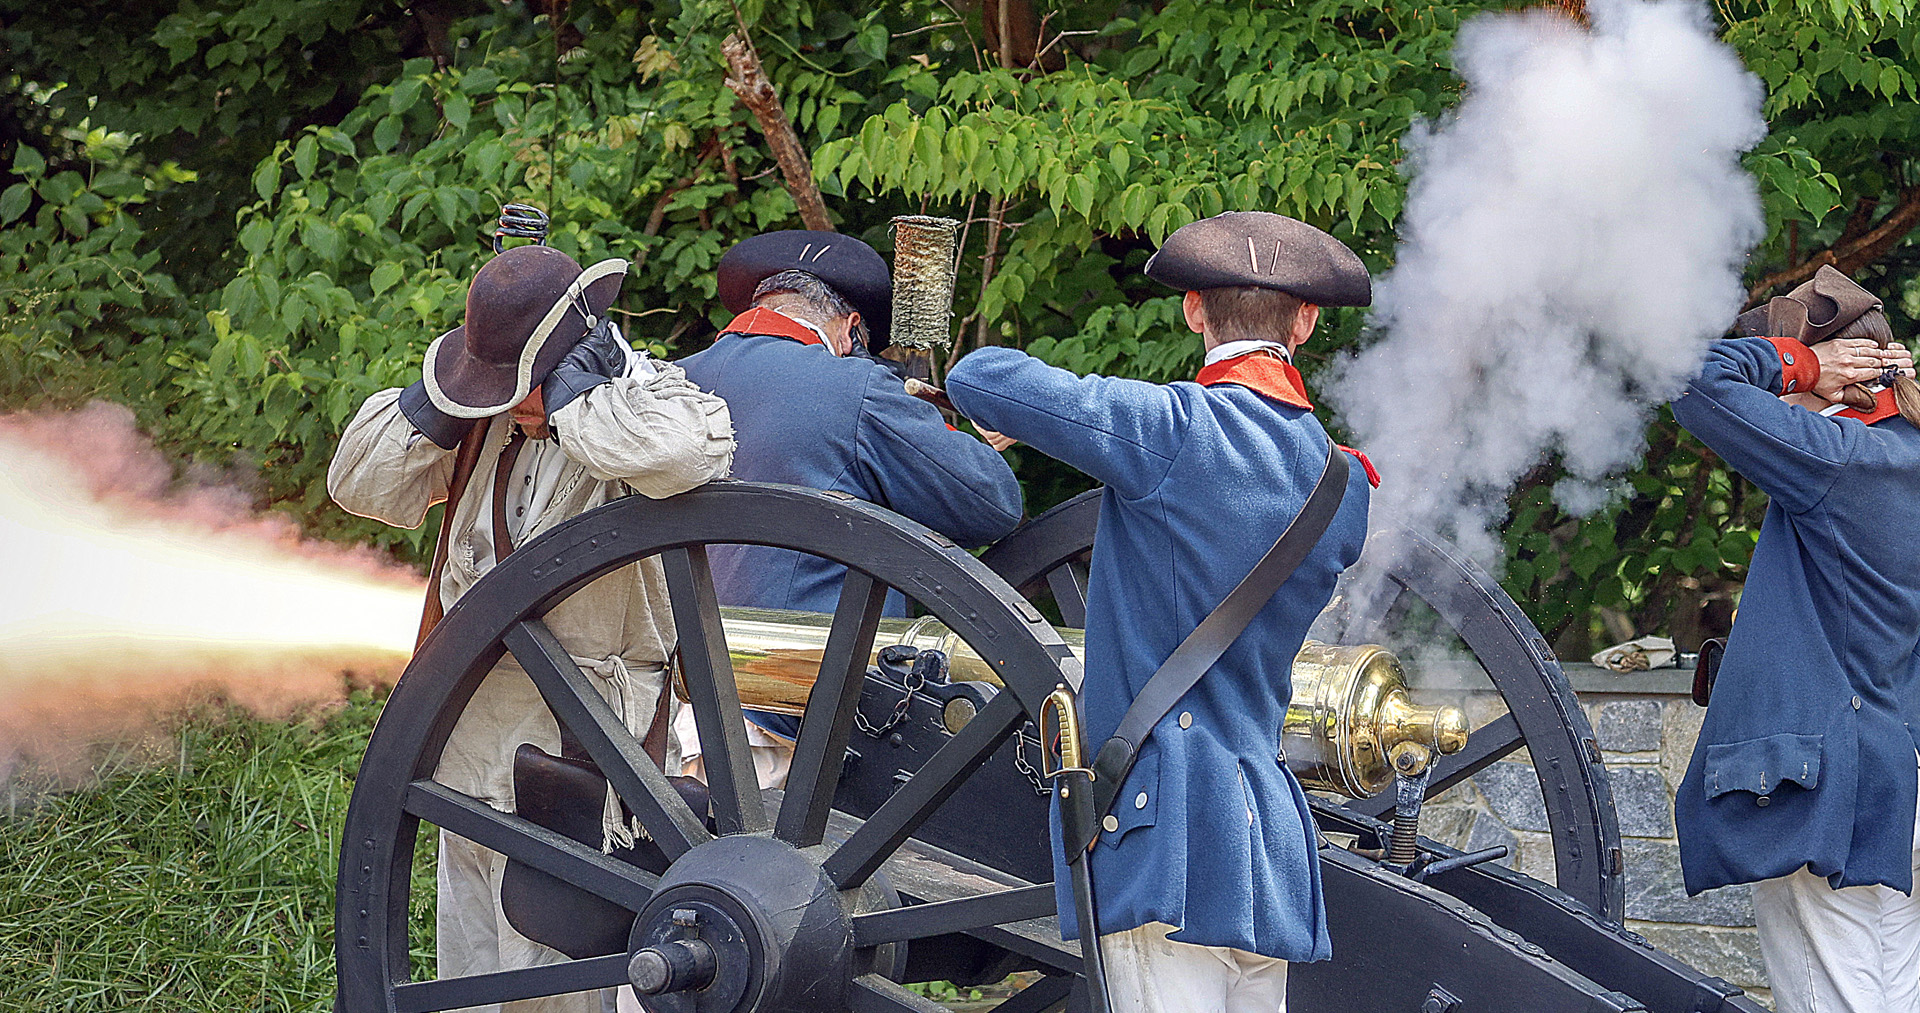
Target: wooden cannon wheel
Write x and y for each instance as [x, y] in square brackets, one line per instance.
[802, 901]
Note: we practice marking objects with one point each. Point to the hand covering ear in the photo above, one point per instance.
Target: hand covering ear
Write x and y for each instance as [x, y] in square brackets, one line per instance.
[598, 358]
[446, 431]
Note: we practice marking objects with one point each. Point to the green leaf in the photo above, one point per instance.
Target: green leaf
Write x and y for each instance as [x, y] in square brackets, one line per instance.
[385, 276]
[304, 155]
[447, 202]
[458, 109]
[14, 202]
[1134, 204]
[324, 239]
[478, 80]
[872, 40]
[1080, 192]
[386, 133]
[256, 235]
[266, 178]
[28, 162]
[404, 95]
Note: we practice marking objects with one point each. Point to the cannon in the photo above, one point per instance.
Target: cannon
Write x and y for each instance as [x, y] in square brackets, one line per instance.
[910, 843]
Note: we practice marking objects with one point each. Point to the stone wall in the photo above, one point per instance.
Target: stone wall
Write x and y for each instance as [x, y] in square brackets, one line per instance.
[1646, 727]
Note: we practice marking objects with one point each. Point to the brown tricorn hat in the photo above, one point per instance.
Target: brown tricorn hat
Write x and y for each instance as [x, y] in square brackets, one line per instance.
[526, 309]
[1255, 248]
[1818, 309]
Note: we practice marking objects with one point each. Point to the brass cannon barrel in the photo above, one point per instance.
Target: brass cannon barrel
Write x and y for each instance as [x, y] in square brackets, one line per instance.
[1350, 705]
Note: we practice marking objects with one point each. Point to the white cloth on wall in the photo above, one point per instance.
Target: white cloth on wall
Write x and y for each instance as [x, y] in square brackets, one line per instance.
[1852, 950]
[1149, 973]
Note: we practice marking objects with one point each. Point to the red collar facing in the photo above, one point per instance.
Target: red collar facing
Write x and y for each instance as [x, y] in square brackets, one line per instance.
[761, 320]
[1261, 373]
[1883, 408]
[1275, 378]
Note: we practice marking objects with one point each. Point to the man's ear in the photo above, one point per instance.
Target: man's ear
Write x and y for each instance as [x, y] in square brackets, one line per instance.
[1195, 311]
[843, 333]
[1303, 324]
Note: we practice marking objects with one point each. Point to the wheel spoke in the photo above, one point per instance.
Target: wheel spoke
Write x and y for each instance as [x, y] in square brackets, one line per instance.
[737, 807]
[820, 754]
[506, 986]
[943, 773]
[556, 855]
[1068, 582]
[964, 914]
[1043, 996]
[570, 694]
[870, 993]
[1487, 744]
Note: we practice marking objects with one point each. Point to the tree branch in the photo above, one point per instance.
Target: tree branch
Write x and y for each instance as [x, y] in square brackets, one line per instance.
[1849, 255]
[749, 81]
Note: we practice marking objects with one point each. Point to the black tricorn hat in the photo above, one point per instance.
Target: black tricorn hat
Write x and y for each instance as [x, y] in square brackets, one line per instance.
[1255, 248]
[1816, 310]
[851, 267]
[526, 309]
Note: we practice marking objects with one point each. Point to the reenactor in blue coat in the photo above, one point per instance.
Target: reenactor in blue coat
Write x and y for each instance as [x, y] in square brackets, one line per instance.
[1205, 877]
[1804, 779]
[813, 407]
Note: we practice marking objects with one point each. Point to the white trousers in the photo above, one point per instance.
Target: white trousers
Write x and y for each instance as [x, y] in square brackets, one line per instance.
[472, 935]
[1853, 950]
[1149, 973]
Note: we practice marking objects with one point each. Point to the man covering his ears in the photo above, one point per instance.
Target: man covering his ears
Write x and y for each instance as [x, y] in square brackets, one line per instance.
[1206, 875]
[572, 417]
[1804, 779]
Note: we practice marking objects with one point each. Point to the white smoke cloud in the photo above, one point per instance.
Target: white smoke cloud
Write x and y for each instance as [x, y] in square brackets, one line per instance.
[1573, 237]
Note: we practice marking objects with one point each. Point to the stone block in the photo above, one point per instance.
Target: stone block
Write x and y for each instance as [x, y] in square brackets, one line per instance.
[1628, 726]
[1656, 893]
[1536, 858]
[1513, 793]
[1680, 729]
[1448, 824]
[1488, 833]
[1641, 799]
[1733, 954]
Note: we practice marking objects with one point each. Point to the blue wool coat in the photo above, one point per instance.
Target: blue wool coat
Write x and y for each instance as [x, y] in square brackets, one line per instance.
[805, 417]
[1808, 750]
[1215, 836]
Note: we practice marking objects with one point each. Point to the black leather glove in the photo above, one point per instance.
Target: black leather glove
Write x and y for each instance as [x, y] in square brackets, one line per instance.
[446, 431]
[599, 357]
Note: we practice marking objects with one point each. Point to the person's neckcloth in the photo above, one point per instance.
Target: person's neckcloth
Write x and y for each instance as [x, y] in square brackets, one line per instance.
[1214, 835]
[803, 416]
[1807, 753]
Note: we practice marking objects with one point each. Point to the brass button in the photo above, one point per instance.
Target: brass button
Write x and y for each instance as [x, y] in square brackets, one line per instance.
[1856, 703]
[1186, 719]
[1140, 801]
[1763, 801]
[1110, 824]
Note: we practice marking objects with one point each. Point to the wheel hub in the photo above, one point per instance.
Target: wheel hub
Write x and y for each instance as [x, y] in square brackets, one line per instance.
[742, 923]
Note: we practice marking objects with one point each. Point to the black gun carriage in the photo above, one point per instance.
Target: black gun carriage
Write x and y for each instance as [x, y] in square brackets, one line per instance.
[911, 842]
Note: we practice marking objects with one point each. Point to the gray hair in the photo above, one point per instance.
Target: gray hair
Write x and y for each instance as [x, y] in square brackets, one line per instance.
[819, 302]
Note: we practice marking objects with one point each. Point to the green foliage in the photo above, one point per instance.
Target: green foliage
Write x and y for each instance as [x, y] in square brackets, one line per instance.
[192, 878]
[350, 156]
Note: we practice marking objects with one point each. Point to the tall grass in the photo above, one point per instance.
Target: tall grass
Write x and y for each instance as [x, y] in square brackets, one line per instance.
[201, 881]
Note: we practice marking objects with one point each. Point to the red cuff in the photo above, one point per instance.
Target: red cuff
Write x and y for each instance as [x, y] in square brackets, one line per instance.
[1799, 367]
[1373, 477]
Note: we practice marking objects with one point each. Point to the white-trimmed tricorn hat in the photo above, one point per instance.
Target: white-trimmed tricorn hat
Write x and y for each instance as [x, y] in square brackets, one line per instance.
[526, 309]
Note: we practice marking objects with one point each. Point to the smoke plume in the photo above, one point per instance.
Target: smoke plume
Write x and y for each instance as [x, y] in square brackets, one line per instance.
[126, 590]
[1573, 237]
